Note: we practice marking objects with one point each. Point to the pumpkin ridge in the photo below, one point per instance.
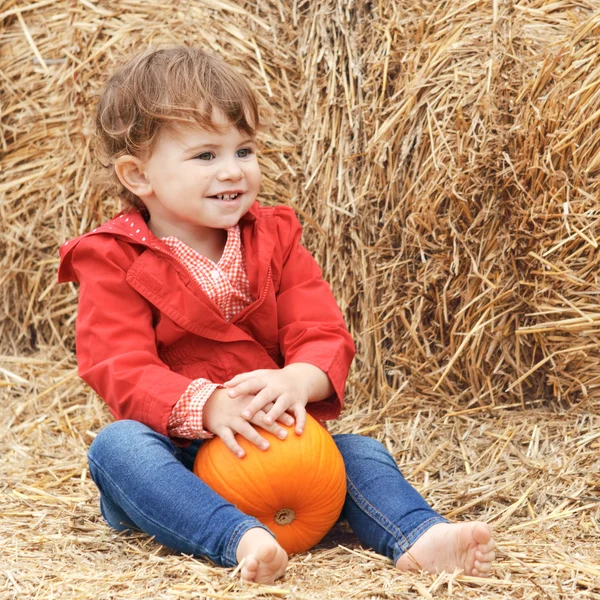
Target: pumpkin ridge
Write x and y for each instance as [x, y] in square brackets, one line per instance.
[322, 444]
[221, 472]
[251, 481]
[304, 489]
[213, 468]
[266, 467]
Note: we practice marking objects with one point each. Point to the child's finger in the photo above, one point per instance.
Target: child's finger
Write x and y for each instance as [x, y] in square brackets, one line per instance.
[281, 405]
[228, 438]
[249, 386]
[240, 377]
[264, 397]
[275, 429]
[251, 434]
[300, 414]
[286, 419]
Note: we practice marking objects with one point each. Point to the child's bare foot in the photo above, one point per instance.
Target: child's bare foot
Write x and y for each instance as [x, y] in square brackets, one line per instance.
[265, 561]
[448, 546]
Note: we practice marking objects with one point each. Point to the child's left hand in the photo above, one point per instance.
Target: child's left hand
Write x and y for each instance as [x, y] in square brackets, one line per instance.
[289, 389]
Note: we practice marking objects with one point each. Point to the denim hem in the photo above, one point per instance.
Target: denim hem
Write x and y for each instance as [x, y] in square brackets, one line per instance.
[402, 541]
[229, 556]
[414, 535]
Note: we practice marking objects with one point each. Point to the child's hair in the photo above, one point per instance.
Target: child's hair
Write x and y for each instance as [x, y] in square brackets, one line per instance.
[160, 87]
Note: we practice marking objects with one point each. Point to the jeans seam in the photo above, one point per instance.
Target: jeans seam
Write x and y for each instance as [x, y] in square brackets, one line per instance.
[201, 551]
[248, 523]
[126, 524]
[383, 521]
[404, 541]
[423, 527]
[229, 550]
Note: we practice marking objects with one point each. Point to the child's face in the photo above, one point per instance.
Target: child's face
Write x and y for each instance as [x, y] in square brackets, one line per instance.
[201, 179]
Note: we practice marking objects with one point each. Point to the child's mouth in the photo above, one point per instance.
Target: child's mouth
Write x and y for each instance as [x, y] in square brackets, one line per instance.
[225, 196]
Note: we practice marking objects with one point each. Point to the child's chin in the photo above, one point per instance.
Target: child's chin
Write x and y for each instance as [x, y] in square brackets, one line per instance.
[228, 221]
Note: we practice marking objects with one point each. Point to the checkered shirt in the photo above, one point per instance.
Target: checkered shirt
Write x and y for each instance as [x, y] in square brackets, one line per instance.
[226, 284]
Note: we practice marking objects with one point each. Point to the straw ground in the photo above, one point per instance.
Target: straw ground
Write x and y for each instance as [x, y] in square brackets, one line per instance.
[444, 158]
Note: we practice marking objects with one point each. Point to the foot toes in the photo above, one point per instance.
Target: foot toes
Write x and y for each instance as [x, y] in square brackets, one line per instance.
[250, 568]
[488, 556]
[482, 533]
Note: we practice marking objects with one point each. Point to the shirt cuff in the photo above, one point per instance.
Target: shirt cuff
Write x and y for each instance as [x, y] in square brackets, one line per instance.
[186, 417]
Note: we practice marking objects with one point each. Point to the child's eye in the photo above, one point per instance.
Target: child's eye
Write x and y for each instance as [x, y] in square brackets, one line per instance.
[244, 152]
[205, 156]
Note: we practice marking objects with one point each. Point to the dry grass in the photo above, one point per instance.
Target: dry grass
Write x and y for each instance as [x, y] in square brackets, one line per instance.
[445, 159]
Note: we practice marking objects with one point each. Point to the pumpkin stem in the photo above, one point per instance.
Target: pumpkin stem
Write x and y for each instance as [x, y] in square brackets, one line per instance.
[285, 516]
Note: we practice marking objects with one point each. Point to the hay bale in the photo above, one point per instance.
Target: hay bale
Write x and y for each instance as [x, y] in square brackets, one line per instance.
[451, 154]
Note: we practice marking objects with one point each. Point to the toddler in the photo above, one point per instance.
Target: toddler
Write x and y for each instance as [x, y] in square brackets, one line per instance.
[200, 314]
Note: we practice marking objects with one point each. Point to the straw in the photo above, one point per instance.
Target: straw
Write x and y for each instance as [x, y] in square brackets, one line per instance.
[444, 159]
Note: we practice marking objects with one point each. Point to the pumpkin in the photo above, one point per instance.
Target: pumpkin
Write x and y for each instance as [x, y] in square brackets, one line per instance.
[296, 488]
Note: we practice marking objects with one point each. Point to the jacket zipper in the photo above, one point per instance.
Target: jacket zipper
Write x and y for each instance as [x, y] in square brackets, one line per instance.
[259, 301]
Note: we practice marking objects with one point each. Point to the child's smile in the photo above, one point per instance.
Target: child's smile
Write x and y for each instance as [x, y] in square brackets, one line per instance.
[228, 196]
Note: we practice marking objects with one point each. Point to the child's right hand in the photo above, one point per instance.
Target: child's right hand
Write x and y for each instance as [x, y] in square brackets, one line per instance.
[222, 416]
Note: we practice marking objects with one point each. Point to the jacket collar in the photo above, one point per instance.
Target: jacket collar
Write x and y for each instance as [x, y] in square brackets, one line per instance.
[132, 225]
[252, 213]
[147, 273]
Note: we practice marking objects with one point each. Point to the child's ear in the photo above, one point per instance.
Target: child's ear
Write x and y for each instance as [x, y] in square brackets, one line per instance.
[130, 171]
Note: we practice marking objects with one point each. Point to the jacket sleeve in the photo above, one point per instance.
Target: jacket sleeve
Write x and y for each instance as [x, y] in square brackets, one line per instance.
[115, 342]
[311, 325]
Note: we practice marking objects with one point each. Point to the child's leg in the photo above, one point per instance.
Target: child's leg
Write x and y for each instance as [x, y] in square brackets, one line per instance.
[144, 484]
[389, 515]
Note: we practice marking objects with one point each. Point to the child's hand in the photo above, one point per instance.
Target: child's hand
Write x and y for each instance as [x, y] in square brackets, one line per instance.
[288, 389]
[222, 416]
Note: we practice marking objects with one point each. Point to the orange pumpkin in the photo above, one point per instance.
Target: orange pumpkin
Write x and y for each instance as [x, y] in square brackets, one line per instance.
[296, 488]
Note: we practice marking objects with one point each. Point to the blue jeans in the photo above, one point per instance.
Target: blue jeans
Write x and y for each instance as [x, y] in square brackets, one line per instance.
[146, 483]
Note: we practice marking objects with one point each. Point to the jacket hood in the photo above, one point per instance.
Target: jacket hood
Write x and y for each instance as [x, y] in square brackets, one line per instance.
[130, 227]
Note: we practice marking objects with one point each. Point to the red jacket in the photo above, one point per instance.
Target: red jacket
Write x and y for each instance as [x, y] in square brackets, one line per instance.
[145, 329]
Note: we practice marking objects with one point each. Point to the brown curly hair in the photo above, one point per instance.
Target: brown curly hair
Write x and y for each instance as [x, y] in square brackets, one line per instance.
[162, 86]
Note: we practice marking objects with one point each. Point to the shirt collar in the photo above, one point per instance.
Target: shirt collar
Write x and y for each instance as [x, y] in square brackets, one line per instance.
[132, 224]
[232, 250]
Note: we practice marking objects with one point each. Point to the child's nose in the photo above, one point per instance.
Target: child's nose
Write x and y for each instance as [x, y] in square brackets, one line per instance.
[230, 169]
